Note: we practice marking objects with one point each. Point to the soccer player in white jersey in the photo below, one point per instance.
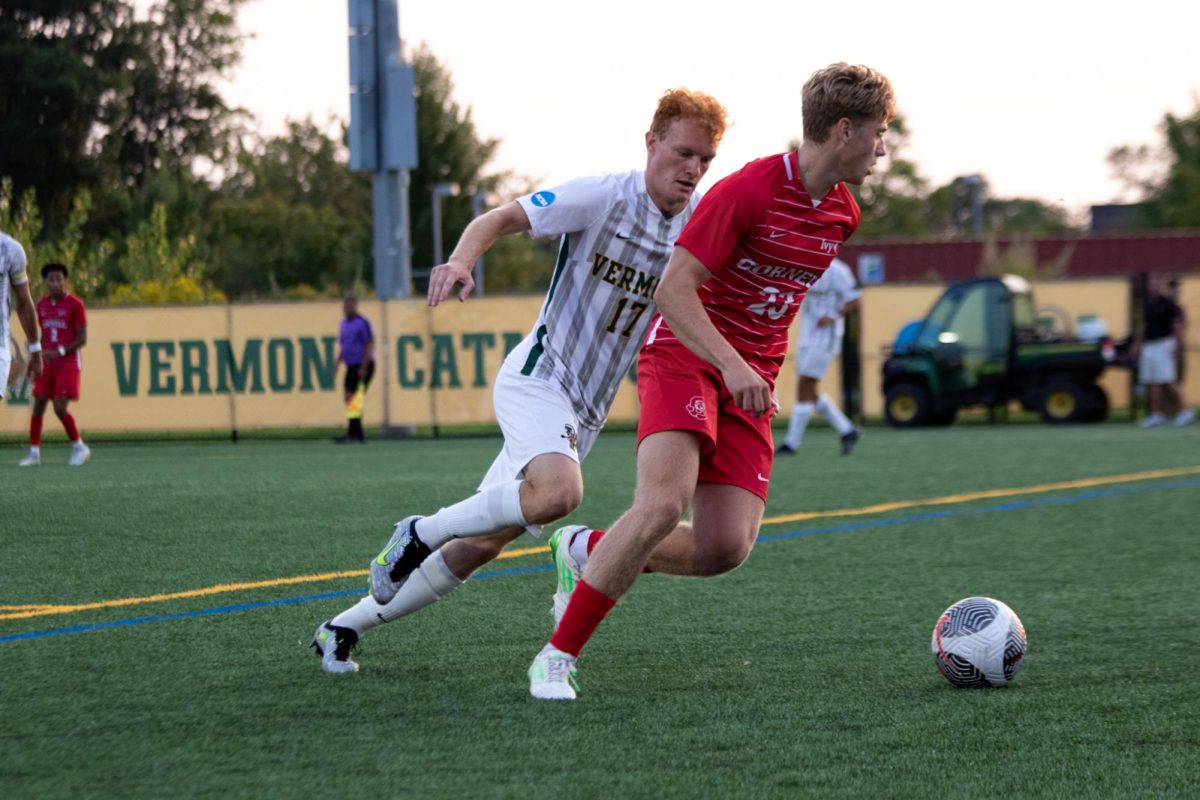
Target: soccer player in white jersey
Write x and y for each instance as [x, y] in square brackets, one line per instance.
[15, 294]
[555, 388]
[822, 325]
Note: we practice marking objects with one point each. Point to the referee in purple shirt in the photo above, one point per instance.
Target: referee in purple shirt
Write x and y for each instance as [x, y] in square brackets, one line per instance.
[357, 351]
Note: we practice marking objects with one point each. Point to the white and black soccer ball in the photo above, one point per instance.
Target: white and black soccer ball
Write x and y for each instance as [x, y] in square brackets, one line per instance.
[979, 641]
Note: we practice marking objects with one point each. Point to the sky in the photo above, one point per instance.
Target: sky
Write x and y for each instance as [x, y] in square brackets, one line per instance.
[1032, 95]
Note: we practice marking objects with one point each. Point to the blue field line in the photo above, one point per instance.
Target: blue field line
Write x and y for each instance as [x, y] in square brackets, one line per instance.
[842, 528]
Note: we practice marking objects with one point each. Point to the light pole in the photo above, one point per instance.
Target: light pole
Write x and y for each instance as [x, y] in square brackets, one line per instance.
[439, 191]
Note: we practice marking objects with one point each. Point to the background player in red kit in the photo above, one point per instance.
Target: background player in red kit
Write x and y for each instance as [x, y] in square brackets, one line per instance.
[63, 320]
[706, 375]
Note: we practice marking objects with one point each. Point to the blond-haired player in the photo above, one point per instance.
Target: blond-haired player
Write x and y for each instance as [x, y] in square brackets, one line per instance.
[758, 240]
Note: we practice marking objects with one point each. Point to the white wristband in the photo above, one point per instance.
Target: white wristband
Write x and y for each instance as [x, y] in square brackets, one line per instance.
[62, 351]
[35, 347]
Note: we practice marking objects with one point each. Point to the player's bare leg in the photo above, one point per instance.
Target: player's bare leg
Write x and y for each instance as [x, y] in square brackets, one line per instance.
[723, 531]
[551, 488]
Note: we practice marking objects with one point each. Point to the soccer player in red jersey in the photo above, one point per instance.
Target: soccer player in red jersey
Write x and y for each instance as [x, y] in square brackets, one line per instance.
[63, 320]
[706, 374]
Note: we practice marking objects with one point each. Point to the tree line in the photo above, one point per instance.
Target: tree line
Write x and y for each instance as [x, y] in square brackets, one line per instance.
[120, 157]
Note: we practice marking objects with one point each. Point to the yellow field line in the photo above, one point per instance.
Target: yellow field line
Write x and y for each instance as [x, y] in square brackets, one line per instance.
[990, 494]
[26, 611]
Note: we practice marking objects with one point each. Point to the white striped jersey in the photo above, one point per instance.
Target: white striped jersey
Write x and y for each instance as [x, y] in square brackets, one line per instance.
[825, 298]
[614, 249]
[765, 241]
[12, 273]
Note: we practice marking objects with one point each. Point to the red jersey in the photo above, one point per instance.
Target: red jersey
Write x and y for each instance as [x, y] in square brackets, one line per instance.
[765, 241]
[60, 320]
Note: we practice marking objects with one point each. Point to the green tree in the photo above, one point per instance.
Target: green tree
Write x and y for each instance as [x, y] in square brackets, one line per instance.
[290, 214]
[449, 150]
[167, 113]
[1166, 177]
[60, 60]
[893, 199]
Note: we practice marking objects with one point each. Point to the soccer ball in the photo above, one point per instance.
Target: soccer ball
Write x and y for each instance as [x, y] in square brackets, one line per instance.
[978, 641]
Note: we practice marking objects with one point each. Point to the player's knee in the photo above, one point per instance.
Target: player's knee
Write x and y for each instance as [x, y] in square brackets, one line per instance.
[660, 515]
[723, 555]
[556, 501]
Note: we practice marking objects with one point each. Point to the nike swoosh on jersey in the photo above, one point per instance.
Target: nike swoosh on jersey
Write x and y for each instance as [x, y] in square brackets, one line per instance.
[764, 480]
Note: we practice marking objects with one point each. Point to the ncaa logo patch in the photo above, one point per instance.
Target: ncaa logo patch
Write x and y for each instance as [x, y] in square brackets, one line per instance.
[695, 407]
[542, 199]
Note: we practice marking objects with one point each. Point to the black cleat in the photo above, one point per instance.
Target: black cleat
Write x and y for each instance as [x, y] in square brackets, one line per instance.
[785, 450]
[849, 440]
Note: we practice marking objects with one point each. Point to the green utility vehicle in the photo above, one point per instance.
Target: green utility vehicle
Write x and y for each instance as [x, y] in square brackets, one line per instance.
[982, 344]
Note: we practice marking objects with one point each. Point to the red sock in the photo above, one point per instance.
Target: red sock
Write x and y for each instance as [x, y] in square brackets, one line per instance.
[595, 537]
[585, 612]
[69, 424]
[35, 431]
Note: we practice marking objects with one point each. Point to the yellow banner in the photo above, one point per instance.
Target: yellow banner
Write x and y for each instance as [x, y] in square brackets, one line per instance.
[274, 365]
[240, 367]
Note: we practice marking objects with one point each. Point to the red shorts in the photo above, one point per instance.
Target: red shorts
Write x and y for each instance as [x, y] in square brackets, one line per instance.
[679, 391]
[57, 383]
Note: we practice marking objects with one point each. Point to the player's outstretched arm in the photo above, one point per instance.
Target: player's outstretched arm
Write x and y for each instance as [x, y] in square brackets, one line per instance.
[480, 235]
[27, 313]
[680, 306]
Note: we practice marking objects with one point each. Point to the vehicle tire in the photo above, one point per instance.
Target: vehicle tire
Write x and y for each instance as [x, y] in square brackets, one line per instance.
[908, 405]
[1064, 401]
[1097, 404]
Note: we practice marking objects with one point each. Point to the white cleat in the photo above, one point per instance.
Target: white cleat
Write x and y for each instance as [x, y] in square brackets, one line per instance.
[1152, 421]
[566, 567]
[30, 461]
[1184, 417]
[552, 675]
[79, 455]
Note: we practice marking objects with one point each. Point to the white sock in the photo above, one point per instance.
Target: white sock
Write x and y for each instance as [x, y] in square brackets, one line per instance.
[428, 583]
[78, 443]
[35, 451]
[833, 415]
[487, 511]
[801, 414]
[579, 547]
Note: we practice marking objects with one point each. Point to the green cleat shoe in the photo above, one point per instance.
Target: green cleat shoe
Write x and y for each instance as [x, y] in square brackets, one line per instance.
[566, 566]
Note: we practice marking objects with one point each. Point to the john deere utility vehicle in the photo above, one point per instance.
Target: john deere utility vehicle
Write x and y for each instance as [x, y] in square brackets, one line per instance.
[982, 344]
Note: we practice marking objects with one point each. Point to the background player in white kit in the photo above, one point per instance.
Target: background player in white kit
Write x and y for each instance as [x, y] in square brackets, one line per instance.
[554, 390]
[15, 296]
[822, 325]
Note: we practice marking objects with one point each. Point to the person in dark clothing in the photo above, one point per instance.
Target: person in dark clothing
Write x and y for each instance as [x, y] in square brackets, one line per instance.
[1162, 340]
[356, 349]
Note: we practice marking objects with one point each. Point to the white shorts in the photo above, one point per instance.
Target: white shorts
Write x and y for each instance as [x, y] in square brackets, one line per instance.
[813, 362]
[5, 362]
[1156, 362]
[536, 417]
